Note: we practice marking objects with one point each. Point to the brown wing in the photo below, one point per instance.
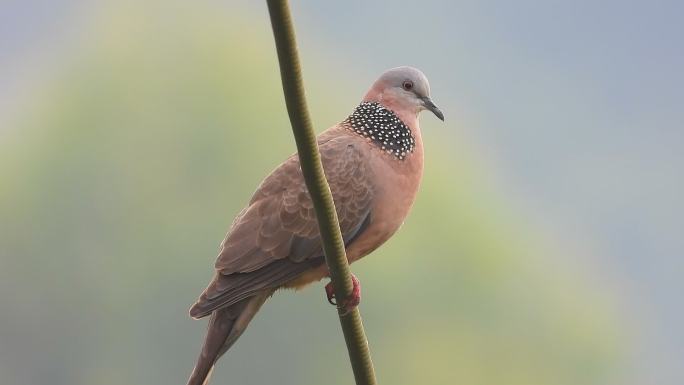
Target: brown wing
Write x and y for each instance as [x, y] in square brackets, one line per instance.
[276, 237]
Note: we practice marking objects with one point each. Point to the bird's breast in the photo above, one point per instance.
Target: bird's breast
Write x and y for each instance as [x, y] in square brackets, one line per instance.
[396, 188]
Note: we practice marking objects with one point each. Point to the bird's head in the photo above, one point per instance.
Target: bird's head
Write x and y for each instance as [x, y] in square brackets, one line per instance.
[403, 89]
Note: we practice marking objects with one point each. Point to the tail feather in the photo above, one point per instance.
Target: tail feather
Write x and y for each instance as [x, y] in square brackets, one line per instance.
[226, 325]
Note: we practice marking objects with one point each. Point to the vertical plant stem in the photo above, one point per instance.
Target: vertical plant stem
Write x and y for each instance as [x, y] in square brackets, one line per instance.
[312, 169]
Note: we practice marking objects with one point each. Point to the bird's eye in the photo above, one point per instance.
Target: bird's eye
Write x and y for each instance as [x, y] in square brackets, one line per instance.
[408, 85]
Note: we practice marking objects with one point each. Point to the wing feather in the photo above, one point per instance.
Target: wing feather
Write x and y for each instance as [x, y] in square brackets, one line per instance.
[280, 221]
[272, 239]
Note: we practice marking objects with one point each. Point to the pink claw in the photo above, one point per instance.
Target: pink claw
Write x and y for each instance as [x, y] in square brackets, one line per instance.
[349, 303]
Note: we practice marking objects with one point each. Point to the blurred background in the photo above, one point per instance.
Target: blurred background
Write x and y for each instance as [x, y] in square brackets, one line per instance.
[545, 246]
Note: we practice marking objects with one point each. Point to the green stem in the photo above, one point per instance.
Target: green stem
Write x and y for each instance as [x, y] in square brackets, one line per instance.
[312, 169]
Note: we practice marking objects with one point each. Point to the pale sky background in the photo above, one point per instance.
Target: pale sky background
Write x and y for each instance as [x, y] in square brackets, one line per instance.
[577, 108]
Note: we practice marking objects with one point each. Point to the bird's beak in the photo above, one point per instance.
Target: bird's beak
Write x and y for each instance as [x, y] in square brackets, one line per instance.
[427, 103]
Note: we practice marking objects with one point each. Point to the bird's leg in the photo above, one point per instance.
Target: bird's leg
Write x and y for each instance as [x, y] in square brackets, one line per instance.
[349, 303]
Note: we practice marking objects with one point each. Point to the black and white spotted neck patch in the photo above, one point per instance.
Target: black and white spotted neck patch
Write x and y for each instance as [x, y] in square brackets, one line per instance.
[382, 127]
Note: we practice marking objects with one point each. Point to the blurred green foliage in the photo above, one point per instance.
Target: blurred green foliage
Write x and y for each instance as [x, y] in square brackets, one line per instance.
[120, 177]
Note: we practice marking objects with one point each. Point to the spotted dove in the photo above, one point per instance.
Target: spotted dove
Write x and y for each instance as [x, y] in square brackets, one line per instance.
[373, 161]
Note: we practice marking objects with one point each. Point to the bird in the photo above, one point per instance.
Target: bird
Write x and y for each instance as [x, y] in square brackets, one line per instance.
[373, 161]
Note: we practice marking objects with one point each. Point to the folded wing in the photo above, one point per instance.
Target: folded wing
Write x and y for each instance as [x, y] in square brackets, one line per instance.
[276, 238]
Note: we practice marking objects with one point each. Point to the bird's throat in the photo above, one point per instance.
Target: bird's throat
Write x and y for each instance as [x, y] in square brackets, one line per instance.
[382, 127]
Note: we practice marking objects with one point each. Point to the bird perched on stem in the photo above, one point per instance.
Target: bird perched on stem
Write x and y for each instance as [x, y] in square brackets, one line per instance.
[373, 161]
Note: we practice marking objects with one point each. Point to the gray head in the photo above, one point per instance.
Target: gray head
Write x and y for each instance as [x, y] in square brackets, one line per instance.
[403, 88]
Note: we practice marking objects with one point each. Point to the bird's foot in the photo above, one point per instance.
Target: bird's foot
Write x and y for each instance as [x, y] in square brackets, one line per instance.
[348, 304]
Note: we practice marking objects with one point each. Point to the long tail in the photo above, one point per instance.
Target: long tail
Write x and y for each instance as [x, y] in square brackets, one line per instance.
[225, 327]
